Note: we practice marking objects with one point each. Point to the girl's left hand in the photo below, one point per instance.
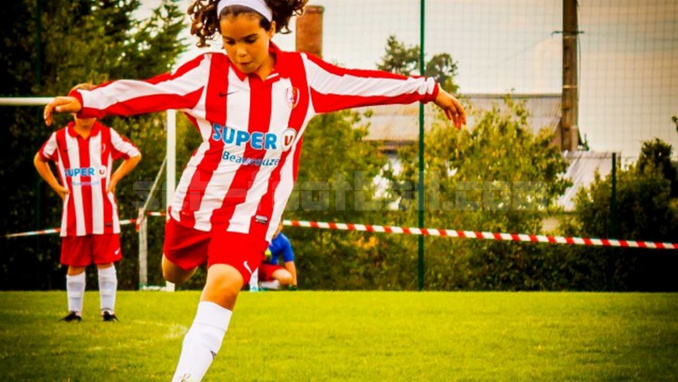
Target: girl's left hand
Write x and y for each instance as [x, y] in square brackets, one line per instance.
[111, 186]
[452, 108]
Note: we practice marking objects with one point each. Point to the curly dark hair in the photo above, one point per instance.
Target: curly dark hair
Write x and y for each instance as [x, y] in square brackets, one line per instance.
[205, 21]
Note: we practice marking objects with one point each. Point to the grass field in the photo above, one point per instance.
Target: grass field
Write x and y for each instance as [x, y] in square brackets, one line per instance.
[351, 336]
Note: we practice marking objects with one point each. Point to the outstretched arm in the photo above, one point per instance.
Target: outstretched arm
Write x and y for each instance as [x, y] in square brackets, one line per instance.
[179, 90]
[61, 105]
[335, 88]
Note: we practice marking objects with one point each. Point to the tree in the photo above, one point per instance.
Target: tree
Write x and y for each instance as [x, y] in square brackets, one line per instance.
[644, 209]
[497, 177]
[399, 58]
[442, 68]
[75, 41]
[655, 156]
[336, 183]
[402, 59]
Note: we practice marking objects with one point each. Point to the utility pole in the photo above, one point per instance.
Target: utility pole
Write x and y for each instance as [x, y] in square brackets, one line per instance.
[570, 103]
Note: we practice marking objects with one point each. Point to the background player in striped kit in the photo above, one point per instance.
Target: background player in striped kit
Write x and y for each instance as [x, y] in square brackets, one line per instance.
[251, 106]
[83, 152]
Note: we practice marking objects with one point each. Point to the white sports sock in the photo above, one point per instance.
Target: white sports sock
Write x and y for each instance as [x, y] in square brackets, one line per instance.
[202, 342]
[275, 284]
[75, 290]
[108, 285]
[254, 281]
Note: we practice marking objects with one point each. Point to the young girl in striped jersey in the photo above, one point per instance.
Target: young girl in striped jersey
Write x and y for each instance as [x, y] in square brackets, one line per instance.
[251, 106]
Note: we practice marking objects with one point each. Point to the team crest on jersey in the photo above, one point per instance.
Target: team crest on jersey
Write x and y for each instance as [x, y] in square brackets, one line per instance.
[292, 97]
[288, 138]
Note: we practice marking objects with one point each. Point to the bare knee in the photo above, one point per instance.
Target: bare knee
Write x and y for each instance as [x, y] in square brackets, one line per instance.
[74, 271]
[283, 276]
[175, 274]
[222, 286]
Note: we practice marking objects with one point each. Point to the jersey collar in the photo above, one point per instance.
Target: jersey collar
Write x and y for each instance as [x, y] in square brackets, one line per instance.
[70, 129]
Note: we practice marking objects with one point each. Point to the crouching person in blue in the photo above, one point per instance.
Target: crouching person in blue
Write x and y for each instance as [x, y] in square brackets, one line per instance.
[278, 271]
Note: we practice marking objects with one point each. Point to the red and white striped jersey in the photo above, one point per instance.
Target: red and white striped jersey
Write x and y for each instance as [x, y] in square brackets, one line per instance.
[244, 170]
[85, 166]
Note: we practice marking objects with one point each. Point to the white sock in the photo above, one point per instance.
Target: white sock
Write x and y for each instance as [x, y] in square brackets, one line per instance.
[108, 285]
[75, 290]
[202, 342]
[275, 284]
[254, 281]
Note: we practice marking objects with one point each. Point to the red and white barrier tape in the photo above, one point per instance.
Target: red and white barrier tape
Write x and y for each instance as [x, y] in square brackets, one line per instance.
[55, 230]
[483, 235]
[438, 232]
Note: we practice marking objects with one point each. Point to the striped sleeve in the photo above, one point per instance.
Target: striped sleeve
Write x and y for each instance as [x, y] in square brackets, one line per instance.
[179, 90]
[49, 148]
[334, 88]
[122, 147]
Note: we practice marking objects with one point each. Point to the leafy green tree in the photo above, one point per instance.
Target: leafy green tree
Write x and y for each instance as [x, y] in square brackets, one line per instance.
[73, 42]
[399, 58]
[336, 183]
[402, 59]
[443, 68]
[644, 209]
[497, 177]
[655, 156]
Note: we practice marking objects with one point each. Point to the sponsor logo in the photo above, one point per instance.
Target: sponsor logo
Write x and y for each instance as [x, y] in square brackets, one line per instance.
[244, 264]
[250, 161]
[256, 140]
[86, 171]
[292, 97]
[260, 219]
[86, 184]
[80, 171]
[288, 137]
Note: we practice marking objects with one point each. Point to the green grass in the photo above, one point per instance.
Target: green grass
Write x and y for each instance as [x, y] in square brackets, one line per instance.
[351, 336]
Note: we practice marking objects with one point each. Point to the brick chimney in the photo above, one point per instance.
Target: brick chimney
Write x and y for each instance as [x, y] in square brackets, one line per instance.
[309, 30]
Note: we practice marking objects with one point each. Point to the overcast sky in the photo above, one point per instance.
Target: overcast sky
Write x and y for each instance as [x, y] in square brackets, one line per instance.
[628, 54]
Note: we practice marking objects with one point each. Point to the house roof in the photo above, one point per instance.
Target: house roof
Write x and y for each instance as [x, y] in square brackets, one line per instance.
[581, 170]
[399, 124]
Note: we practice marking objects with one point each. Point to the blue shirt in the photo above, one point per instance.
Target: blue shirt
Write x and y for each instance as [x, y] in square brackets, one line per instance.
[280, 247]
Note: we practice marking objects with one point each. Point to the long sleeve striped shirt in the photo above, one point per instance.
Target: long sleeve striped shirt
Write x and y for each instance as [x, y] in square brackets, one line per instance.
[244, 170]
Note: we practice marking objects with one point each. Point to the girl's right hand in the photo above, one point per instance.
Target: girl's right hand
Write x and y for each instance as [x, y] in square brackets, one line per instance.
[62, 191]
[61, 105]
